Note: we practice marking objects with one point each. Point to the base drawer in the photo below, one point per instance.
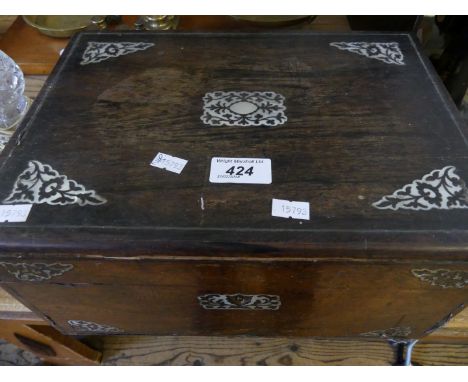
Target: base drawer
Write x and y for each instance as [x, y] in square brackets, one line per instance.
[323, 299]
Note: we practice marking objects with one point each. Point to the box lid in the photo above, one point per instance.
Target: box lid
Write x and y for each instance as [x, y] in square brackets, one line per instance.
[358, 125]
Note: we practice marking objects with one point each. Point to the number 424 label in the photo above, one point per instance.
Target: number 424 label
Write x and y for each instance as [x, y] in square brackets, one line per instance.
[240, 170]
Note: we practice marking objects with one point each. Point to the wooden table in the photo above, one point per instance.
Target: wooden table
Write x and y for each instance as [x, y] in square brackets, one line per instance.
[36, 53]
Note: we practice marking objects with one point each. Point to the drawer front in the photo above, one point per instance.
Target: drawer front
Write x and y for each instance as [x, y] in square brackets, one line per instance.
[281, 298]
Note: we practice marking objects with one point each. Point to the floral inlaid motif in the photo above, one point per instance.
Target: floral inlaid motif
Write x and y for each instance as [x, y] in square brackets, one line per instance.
[36, 271]
[444, 278]
[240, 301]
[100, 51]
[441, 189]
[390, 333]
[40, 183]
[92, 327]
[388, 52]
[243, 109]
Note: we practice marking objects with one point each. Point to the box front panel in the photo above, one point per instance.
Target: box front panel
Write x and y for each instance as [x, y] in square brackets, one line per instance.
[273, 298]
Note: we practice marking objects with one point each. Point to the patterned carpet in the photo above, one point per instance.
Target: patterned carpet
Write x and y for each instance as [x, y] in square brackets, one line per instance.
[10, 355]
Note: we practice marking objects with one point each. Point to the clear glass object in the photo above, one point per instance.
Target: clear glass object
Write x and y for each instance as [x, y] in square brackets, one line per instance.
[13, 102]
[159, 22]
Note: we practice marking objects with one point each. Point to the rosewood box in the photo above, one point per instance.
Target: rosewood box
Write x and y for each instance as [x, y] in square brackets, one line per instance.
[267, 184]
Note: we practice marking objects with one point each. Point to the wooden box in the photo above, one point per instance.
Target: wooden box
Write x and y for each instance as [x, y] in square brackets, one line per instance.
[356, 127]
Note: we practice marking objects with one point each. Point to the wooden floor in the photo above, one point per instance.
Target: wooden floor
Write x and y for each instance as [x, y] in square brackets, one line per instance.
[221, 351]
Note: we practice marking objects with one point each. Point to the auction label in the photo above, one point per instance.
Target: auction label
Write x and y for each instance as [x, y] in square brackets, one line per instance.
[240, 170]
[287, 209]
[14, 213]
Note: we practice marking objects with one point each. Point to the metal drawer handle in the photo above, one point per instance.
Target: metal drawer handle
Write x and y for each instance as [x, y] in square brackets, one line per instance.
[388, 52]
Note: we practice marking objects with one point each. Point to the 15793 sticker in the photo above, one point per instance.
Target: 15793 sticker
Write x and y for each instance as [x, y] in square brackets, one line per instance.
[290, 209]
[240, 170]
[14, 213]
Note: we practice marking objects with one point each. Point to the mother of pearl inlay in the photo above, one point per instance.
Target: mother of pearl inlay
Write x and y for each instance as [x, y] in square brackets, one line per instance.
[243, 109]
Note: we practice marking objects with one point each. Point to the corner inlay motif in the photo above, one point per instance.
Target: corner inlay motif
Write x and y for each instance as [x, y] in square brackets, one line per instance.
[390, 333]
[441, 189]
[99, 51]
[89, 326]
[444, 278]
[388, 52]
[40, 183]
[36, 271]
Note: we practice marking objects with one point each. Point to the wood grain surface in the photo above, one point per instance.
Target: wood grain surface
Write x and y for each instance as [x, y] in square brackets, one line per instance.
[311, 294]
[219, 351]
[5, 23]
[332, 172]
[33, 85]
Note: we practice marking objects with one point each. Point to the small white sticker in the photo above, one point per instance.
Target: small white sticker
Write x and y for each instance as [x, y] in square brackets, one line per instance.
[290, 209]
[14, 213]
[169, 163]
[240, 170]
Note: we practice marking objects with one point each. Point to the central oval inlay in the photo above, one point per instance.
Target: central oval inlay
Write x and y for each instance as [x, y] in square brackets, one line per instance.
[243, 107]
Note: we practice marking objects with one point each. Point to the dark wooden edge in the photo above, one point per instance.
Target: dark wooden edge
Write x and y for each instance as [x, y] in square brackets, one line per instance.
[444, 95]
[20, 316]
[129, 242]
[241, 34]
[22, 129]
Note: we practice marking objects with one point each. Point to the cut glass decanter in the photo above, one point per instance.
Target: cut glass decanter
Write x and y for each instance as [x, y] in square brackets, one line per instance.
[13, 103]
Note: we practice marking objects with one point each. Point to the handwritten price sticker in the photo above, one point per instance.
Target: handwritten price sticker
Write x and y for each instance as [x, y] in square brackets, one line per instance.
[169, 163]
[14, 213]
[290, 209]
